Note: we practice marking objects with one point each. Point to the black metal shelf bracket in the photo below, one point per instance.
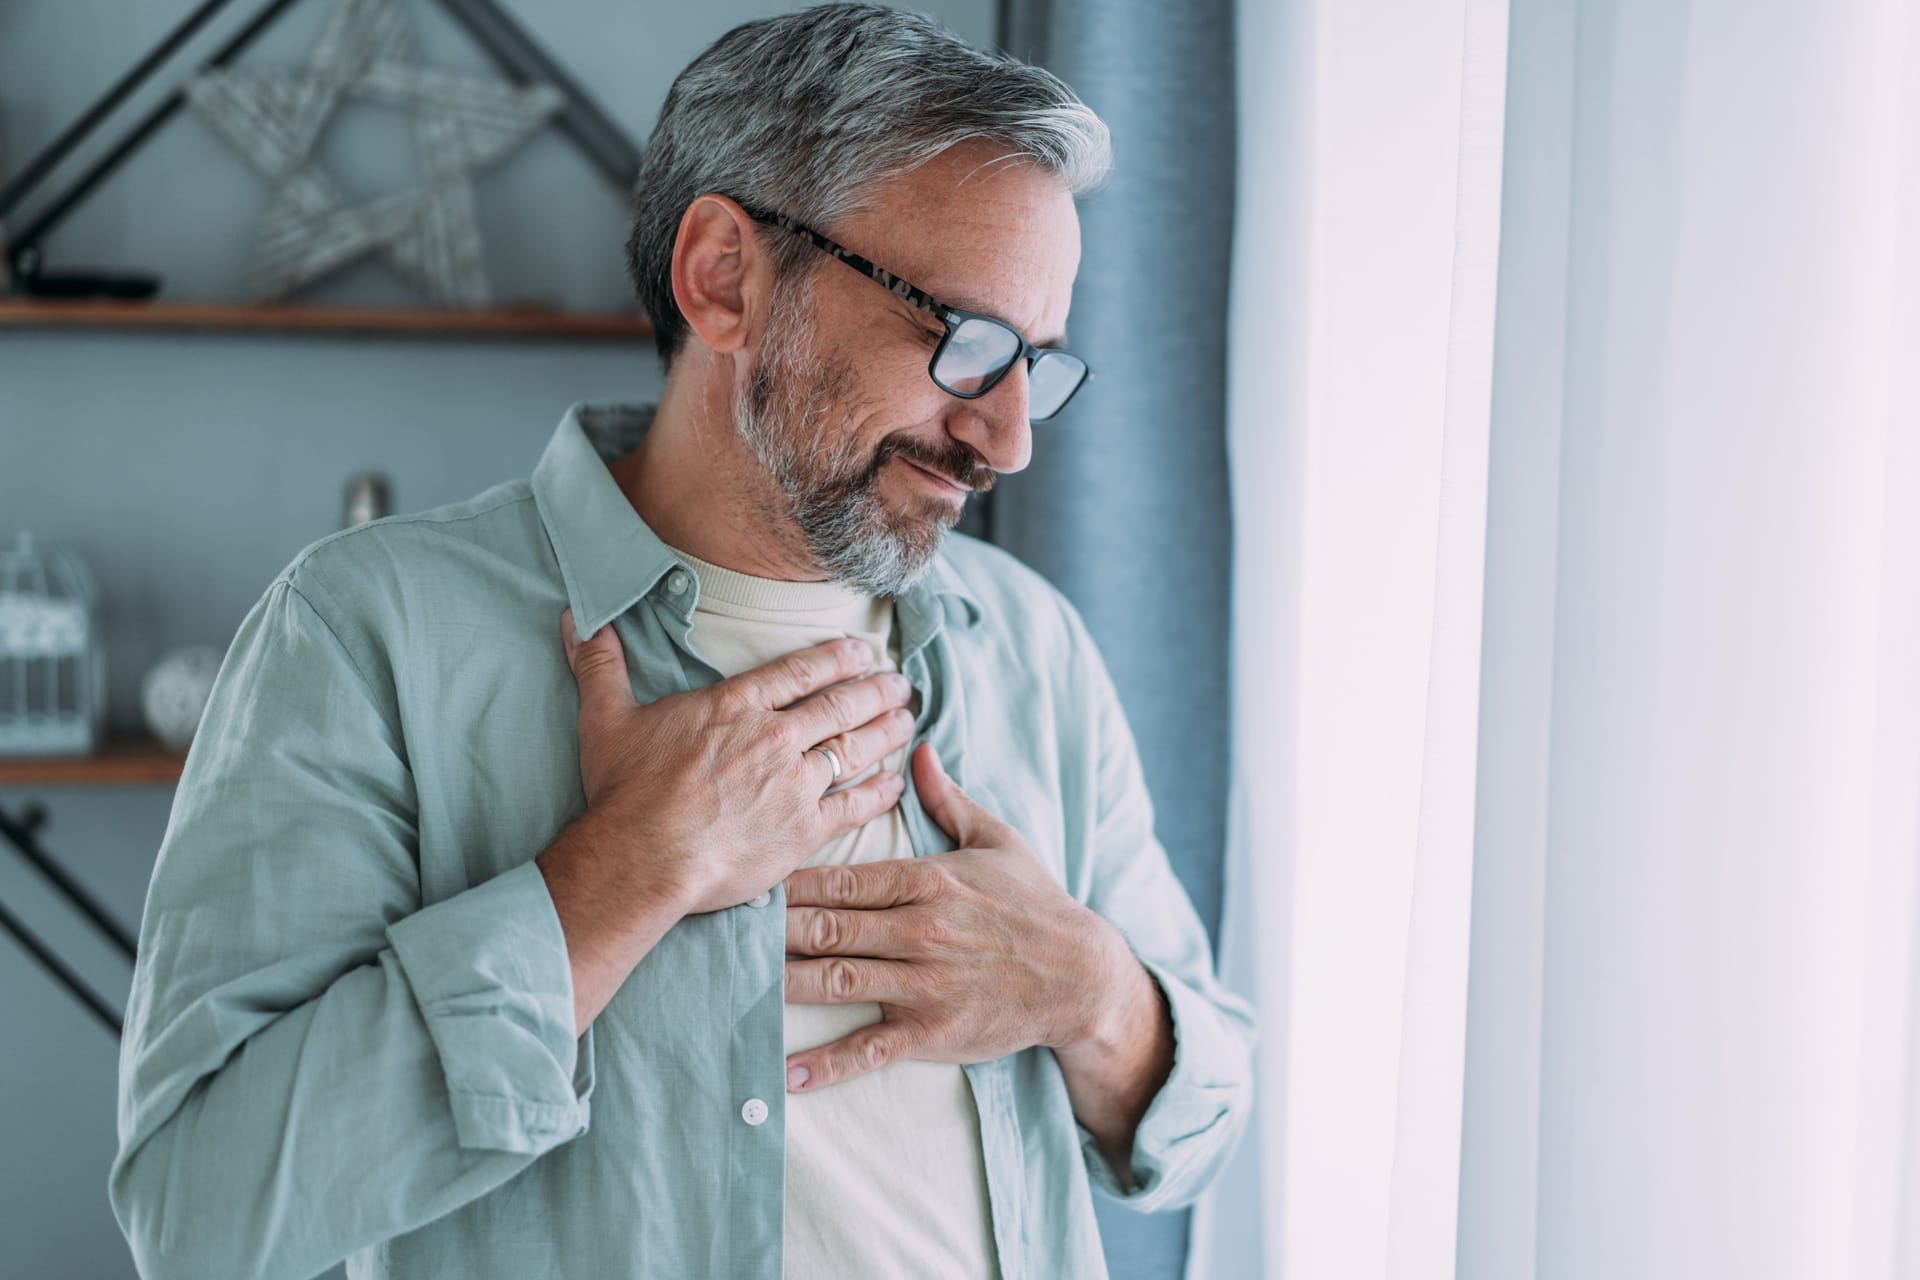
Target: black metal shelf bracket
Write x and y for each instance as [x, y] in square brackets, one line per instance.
[21, 833]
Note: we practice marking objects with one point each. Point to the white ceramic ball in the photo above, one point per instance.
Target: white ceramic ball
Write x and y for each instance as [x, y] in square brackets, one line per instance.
[174, 693]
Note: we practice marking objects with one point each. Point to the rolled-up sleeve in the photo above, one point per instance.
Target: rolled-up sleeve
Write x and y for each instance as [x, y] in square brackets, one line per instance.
[314, 1061]
[1192, 1125]
[489, 972]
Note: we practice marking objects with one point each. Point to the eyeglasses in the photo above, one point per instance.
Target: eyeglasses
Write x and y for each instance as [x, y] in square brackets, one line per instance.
[977, 350]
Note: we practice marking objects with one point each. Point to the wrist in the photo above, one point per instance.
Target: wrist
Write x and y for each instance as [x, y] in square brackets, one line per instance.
[644, 890]
[1118, 987]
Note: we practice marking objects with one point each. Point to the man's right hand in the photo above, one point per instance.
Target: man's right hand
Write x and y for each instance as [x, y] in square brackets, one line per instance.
[716, 792]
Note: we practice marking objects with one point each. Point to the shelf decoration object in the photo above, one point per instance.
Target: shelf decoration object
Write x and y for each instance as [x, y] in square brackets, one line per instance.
[471, 121]
[369, 497]
[463, 123]
[173, 696]
[52, 665]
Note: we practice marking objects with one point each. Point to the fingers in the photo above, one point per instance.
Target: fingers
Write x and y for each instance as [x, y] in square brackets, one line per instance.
[834, 711]
[829, 931]
[868, 1049]
[864, 886]
[858, 805]
[961, 816]
[795, 675]
[873, 741]
[598, 663]
[839, 980]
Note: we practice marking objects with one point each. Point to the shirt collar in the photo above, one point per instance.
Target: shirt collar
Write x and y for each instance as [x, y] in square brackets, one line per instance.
[609, 557]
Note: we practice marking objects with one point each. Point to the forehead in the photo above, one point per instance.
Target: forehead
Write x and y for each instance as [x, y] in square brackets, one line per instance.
[978, 231]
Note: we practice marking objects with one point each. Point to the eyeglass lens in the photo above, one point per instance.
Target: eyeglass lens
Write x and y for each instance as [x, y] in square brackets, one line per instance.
[977, 350]
[980, 349]
[1052, 382]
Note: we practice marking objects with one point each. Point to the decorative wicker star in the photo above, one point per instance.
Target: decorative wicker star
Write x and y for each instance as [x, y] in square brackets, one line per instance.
[463, 123]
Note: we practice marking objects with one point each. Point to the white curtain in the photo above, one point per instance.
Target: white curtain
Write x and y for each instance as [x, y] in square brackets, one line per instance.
[1576, 459]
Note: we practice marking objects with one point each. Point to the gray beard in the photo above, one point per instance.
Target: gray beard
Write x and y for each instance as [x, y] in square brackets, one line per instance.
[788, 418]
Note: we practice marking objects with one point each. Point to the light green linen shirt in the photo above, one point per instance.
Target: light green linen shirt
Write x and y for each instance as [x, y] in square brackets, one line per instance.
[350, 1033]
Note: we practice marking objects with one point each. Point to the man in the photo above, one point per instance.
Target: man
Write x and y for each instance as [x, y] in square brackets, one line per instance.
[483, 946]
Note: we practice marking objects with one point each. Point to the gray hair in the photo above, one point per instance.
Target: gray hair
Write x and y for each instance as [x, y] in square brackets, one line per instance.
[809, 112]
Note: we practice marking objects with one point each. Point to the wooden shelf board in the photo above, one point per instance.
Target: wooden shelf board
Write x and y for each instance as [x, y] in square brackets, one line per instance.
[120, 762]
[526, 321]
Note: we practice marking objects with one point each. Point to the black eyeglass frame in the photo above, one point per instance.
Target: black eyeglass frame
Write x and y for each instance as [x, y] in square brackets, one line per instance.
[950, 317]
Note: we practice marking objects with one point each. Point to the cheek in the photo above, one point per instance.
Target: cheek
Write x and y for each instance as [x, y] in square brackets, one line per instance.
[895, 392]
[905, 364]
[881, 386]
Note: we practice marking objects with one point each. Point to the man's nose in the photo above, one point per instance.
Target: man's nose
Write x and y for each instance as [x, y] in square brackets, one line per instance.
[996, 424]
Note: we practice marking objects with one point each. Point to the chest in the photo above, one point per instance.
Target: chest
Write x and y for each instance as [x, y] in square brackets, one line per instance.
[491, 720]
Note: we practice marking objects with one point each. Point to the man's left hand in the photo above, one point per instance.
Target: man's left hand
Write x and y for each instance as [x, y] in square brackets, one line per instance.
[970, 955]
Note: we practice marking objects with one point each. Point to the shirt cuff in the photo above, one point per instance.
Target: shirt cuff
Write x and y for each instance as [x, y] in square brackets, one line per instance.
[489, 971]
[1188, 1130]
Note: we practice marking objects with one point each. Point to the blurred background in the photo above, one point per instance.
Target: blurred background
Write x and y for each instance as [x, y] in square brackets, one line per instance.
[187, 466]
[1521, 399]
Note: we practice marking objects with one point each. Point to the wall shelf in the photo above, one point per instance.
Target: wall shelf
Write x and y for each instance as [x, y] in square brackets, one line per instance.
[264, 317]
[120, 762]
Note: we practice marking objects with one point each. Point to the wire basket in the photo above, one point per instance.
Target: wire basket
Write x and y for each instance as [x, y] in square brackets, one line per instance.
[53, 668]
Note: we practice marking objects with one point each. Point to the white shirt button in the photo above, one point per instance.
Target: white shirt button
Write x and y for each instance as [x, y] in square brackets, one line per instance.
[760, 900]
[754, 1111]
[677, 582]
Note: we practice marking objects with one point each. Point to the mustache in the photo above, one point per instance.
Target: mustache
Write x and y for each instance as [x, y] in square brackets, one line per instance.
[958, 464]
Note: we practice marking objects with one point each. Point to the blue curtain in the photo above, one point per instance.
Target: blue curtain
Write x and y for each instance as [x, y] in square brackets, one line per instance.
[1126, 505]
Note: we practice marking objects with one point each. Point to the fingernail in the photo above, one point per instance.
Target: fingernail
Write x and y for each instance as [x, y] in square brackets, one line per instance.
[796, 1076]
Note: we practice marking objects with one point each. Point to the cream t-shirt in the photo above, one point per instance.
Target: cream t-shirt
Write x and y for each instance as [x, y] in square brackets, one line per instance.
[885, 1175]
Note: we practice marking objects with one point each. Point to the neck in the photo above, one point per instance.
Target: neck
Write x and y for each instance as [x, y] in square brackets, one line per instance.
[699, 487]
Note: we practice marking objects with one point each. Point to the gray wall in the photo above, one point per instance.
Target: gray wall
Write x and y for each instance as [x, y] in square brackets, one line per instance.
[188, 469]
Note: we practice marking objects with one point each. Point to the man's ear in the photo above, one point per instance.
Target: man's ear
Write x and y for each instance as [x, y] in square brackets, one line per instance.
[721, 278]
